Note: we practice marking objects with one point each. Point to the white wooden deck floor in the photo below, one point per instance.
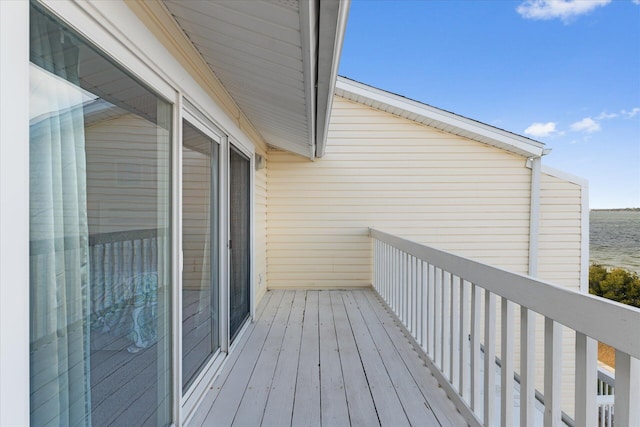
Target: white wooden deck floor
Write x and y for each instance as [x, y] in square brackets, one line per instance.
[325, 358]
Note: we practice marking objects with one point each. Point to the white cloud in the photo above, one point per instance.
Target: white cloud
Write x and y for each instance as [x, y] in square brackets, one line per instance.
[561, 9]
[540, 130]
[586, 125]
[636, 1]
[605, 115]
[634, 111]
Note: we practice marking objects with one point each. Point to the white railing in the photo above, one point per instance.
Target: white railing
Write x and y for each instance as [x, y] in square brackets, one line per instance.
[448, 304]
[606, 396]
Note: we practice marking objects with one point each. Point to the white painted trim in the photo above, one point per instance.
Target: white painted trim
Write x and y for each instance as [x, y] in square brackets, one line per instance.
[177, 260]
[14, 213]
[332, 27]
[201, 121]
[225, 260]
[308, 21]
[198, 390]
[519, 144]
[98, 29]
[557, 173]
[534, 217]
[567, 307]
[584, 239]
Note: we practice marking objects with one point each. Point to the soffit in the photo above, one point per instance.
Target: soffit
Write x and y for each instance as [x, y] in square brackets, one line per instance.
[261, 53]
[437, 118]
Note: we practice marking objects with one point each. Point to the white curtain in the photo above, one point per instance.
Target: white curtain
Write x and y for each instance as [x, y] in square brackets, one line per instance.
[59, 245]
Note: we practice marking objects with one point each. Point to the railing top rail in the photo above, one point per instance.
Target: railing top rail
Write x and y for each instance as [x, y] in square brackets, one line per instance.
[606, 321]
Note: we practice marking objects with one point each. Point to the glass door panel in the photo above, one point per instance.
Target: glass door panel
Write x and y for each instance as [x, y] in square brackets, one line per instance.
[239, 235]
[200, 322]
[100, 232]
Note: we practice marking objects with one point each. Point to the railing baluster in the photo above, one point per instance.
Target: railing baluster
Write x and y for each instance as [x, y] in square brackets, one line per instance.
[489, 357]
[506, 358]
[455, 332]
[465, 361]
[446, 325]
[438, 321]
[432, 311]
[527, 367]
[475, 348]
[552, 372]
[425, 303]
[627, 407]
[586, 381]
[419, 303]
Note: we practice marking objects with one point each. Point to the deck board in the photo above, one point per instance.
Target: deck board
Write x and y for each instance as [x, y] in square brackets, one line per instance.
[306, 409]
[362, 410]
[325, 358]
[279, 408]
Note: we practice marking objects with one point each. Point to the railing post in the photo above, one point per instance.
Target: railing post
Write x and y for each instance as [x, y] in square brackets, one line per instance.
[475, 347]
[489, 357]
[455, 349]
[627, 386]
[586, 381]
[465, 362]
[527, 367]
[552, 372]
[506, 356]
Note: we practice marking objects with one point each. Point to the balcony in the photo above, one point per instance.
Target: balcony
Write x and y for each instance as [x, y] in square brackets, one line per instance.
[425, 347]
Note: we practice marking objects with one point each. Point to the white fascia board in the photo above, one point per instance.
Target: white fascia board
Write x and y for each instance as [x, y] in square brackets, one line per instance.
[519, 144]
[548, 170]
[331, 30]
[308, 14]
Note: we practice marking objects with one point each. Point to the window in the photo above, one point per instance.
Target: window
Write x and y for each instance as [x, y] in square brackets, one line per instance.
[99, 237]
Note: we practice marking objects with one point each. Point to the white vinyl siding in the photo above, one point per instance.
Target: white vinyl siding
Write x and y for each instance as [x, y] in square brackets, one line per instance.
[559, 261]
[560, 242]
[390, 173]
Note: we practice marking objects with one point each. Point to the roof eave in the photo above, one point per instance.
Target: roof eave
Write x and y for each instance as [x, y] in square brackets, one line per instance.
[332, 24]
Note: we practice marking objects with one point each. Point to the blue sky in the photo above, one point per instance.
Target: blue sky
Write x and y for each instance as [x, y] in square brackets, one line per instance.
[563, 72]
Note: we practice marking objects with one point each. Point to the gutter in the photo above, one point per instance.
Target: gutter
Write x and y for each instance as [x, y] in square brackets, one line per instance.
[332, 24]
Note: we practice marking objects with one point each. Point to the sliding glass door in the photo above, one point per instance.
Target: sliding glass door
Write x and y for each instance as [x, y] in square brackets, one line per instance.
[100, 308]
[240, 243]
[200, 242]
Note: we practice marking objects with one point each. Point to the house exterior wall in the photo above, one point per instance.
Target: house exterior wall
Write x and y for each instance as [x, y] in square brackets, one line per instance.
[561, 259]
[122, 36]
[560, 253]
[260, 230]
[408, 179]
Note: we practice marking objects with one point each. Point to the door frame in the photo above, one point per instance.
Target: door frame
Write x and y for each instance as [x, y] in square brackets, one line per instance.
[190, 398]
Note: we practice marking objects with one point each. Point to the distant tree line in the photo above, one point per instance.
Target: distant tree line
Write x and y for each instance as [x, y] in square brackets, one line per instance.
[616, 284]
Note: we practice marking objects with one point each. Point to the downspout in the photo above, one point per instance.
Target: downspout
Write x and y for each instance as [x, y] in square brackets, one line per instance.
[527, 317]
[535, 163]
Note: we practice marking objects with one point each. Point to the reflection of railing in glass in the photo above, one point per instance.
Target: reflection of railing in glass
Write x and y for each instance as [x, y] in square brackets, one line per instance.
[124, 285]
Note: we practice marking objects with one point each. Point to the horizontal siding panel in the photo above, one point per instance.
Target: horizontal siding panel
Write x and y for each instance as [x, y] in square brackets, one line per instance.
[408, 179]
[560, 249]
